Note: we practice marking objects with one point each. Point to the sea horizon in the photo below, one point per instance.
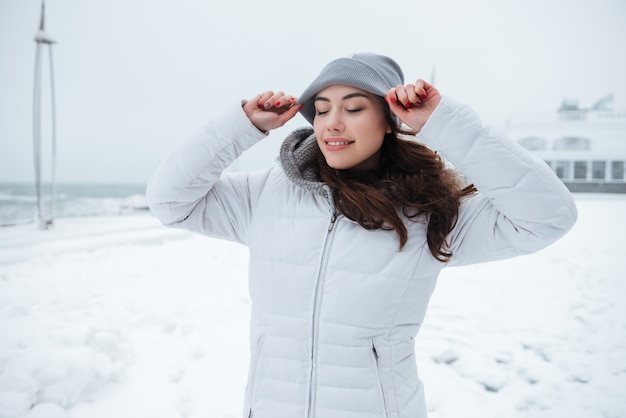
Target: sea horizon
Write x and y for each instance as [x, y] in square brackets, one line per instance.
[18, 200]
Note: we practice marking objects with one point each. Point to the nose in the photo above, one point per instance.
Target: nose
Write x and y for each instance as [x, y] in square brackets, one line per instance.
[334, 121]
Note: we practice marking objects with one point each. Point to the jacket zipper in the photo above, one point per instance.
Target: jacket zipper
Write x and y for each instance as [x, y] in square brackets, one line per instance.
[316, 303]
[378, 376]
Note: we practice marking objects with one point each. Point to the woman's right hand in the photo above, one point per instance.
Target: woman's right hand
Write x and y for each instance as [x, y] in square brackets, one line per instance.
[271, 110]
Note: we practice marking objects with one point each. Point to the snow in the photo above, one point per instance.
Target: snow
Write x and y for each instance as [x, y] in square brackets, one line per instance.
[119, 316]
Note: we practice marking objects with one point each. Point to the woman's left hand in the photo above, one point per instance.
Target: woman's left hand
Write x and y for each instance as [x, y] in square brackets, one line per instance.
[413, 103]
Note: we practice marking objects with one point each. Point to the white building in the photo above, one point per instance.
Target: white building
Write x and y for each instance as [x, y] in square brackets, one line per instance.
[585, 147]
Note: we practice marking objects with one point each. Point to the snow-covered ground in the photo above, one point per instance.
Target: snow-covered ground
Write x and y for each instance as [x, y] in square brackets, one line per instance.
[120, 317]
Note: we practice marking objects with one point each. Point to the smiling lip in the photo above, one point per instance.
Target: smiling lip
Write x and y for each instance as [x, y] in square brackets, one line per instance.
[336, 144]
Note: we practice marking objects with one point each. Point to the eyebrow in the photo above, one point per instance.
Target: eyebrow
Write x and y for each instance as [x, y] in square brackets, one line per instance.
[346, 97]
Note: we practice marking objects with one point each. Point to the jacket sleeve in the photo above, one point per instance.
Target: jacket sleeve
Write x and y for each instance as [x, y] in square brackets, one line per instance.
[189, 190]
[521, 205]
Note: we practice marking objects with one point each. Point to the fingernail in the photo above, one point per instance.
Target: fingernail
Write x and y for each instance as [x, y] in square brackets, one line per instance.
[292, 99]
[260, 105]
[408, 105]
[393, 100]
[267, 105]
[277, 104]
[424, 96]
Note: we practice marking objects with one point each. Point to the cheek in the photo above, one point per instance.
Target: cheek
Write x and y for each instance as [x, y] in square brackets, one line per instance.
[316, 126]
[318, 135]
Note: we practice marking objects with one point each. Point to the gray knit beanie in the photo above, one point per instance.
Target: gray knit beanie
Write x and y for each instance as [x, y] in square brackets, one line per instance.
[370, 72]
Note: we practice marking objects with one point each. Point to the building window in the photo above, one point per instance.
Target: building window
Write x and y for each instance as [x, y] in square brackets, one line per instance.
[534, 143]
[617, 170]
[580, 170]
[562, 169]
[598, 170]
[572, 143]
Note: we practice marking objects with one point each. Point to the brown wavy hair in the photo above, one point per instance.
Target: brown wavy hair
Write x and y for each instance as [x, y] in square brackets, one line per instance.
[412, 181]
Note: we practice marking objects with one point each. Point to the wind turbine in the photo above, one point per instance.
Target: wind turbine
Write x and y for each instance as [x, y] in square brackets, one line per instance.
[43, 40]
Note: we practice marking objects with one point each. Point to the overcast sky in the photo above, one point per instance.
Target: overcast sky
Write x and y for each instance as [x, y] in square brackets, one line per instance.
[133, 77]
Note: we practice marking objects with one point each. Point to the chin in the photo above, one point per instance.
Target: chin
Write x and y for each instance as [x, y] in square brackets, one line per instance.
[339, 165]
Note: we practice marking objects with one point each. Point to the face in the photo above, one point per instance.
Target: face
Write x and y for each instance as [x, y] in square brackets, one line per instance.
[350, 127]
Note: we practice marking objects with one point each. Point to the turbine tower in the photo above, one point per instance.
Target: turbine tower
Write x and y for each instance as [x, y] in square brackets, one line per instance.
[43, 40]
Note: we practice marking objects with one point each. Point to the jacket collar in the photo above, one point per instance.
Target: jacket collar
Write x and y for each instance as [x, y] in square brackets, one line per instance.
[298, 158]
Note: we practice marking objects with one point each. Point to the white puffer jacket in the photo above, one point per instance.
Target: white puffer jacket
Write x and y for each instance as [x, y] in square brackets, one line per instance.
[335, 307]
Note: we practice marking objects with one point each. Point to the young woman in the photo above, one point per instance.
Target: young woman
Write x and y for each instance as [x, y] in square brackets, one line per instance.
[348, 235]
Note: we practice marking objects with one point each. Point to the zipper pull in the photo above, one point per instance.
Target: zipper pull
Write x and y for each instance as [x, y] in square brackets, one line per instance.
[332, 222]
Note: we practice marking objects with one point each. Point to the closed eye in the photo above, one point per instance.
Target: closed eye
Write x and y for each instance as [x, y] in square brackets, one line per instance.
[323, 112]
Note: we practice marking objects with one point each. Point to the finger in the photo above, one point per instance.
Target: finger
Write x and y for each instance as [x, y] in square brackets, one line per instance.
[264, 100]
[420, 89]
[253, 103]
[285, 101]
[391, 97]
[412, 97]
[395, 105]
[402, 96]
[275, 100]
